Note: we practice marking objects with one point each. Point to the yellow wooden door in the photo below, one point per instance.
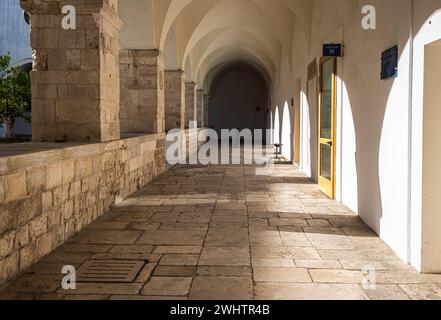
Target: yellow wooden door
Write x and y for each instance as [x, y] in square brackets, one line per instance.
[326, 128]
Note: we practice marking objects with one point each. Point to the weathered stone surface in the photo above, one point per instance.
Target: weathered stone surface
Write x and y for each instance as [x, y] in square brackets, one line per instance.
[285, 275]
[110, 237]
[57, 196]
[228, 256]
[178, 249]
[308, 291]
[200, 107]
[104, 289]
[71, 101]
[174, 100]
[206, 107]
[142, 91]
[274, 263]
[318, 264]
[199, 246]
[190, 103]
[216, 271]
[173, 238]
[179, 260]
[14, 186]
[387, 292]
[422, 291]
[337, 276]
[221, 288]
[32, 284]
[165, 286]
[175, 271]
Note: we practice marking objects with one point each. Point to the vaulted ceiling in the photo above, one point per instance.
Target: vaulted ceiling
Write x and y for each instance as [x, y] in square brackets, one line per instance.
[199, 36]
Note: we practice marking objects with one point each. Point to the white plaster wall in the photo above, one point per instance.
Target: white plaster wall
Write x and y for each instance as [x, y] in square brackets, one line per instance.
[373, 115]
[171, 52]
[427, 29]
[139, 30]
[431, 219]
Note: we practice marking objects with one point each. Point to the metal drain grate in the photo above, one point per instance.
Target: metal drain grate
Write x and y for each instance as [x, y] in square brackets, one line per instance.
[109, 271]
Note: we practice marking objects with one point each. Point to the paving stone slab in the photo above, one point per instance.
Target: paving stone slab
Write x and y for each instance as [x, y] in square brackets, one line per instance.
[222, 288]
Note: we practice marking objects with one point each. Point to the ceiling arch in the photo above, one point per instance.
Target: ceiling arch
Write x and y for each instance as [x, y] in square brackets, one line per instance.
[195, 35]
[233, 54]
[230, 37]
[216, 71]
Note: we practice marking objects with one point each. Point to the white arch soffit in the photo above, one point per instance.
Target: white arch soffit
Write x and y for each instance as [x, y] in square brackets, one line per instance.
[161, 9]
[230, 13]
[281, 17]
[302, 9]
[175, 9]
[263, 41]
[232, 38]
[170, 52]
[229, 55]
[285, 19]
[217, 69]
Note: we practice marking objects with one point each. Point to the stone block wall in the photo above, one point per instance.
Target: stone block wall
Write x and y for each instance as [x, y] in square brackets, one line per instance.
[174, 100]
[206, 110]
[142, 91]
[190, 103]
[75, 77]
[200, 107]
[47, 197]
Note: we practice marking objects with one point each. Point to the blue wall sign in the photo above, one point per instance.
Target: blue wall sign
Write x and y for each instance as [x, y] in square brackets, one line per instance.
[389, 63]
[333, 50]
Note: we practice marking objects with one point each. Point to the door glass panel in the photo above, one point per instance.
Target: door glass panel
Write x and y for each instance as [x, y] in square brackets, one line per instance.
[326, 106]
[326, 162]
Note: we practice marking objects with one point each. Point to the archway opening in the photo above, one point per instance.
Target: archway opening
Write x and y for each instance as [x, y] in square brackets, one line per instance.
[431, 222]
[239, 99]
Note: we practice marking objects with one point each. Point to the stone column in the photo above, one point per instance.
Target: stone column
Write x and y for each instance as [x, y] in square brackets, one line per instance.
[200, 107]
[206, 110]
[190, 103]
[75, 77]
[142, 91]
[174, 100]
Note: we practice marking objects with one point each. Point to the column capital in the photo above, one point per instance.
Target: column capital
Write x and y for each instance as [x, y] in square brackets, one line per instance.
[141, 53]
[45, 7]
[40, 6]
[180, 72]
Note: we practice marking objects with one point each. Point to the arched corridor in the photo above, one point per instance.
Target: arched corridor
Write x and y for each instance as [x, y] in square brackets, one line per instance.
[333, 190]
[238, 99]
[225, 233]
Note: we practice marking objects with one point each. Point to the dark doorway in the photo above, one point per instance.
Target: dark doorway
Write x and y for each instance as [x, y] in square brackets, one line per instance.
[239, 99]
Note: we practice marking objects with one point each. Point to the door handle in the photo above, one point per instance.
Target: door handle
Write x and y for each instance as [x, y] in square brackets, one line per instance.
[329, 143]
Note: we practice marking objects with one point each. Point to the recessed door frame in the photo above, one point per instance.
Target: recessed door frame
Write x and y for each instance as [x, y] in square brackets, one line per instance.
[325, 185]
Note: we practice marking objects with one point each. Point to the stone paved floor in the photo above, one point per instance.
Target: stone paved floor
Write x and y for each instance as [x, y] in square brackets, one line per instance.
[223, 232]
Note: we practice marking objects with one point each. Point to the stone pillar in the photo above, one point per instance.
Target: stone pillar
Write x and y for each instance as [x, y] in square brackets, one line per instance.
[75, 77]
[190, 103]
[142, 91]
[174, 100]
[206, 110]
[200, 107]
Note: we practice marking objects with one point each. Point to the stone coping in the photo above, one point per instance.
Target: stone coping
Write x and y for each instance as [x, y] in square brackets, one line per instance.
[19, 156]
